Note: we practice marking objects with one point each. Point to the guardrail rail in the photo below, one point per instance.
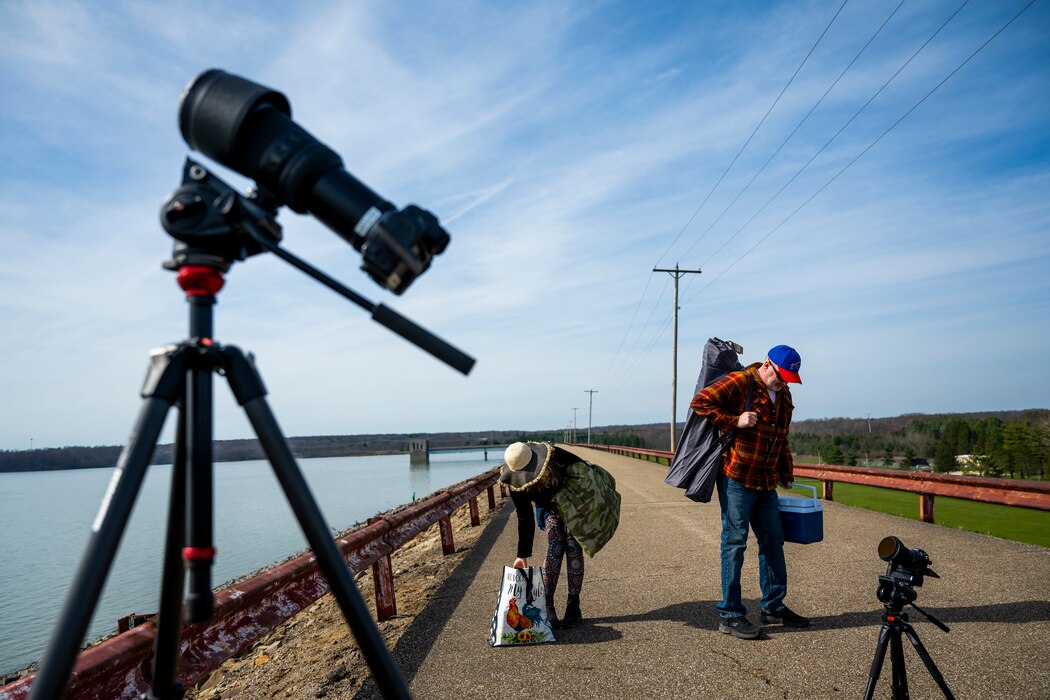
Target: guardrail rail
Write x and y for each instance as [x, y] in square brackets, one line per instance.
[1008, 492]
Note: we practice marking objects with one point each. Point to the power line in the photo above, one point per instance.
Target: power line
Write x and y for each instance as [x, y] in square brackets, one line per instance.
[612, 363]
[633, 366]
[832, 139]
[797, 127]
[871, 145]
[715, 187]
[644, 354]
[760, 123]
[667, 320]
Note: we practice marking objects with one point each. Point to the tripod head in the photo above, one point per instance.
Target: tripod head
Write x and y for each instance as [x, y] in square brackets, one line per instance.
[209, 221]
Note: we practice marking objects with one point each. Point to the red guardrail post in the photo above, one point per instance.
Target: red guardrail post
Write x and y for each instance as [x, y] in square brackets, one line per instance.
[926, 507]
[383, 579]
[828, 490]
[448, 546]
[492, 497]
[475, 516]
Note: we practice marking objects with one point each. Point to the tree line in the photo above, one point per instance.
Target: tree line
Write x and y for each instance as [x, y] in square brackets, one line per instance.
[1014, 444]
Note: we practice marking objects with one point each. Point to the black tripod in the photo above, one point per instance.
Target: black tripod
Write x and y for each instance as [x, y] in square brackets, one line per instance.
[894, 624]
[225, 227]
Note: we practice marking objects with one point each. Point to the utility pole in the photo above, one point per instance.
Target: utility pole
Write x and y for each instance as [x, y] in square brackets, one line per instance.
[574, 424]
[674, 353]
[867, 454]
[590, 411]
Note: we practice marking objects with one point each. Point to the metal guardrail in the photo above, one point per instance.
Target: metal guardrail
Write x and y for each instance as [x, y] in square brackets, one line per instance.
[1007, 492]
[121, 667]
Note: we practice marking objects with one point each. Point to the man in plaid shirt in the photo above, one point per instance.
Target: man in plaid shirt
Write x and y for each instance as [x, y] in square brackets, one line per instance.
[757, 461]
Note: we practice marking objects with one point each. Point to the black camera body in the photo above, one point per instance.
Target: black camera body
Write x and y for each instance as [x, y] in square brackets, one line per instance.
[905, 569]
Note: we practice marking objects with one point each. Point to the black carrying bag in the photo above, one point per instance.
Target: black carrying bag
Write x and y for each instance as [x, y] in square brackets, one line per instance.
[699, 455]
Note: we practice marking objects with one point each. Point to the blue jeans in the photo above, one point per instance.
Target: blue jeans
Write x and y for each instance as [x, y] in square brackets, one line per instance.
[742, 506]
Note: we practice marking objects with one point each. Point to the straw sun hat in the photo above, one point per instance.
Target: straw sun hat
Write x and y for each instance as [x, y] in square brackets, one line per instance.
[524, 464]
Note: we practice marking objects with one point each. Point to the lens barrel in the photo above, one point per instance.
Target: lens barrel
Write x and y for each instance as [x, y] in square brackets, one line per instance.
[892, 550]
[248, 127]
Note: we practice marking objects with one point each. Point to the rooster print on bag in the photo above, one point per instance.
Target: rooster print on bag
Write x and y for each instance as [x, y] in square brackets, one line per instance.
[519, 617]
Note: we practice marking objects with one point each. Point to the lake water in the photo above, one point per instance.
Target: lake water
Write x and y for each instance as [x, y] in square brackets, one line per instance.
[45, 524]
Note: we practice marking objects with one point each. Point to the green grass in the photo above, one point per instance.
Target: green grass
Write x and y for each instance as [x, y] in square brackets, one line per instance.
[1009, 522]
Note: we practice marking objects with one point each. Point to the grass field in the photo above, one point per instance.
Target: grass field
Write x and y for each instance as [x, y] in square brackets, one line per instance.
[1008, 522]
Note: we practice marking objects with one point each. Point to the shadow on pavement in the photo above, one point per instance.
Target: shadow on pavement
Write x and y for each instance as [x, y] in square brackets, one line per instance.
[412, 649]
[702, 615]
[1014, 613]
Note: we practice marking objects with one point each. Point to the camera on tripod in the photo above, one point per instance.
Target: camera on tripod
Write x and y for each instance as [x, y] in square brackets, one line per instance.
[248, 128]
[905, 569]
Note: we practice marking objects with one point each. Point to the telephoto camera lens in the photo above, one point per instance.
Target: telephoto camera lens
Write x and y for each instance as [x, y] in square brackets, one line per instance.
[892, 550]
[248, 127]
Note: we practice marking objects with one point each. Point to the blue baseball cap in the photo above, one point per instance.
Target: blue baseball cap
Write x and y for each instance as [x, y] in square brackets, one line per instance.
[787, 361]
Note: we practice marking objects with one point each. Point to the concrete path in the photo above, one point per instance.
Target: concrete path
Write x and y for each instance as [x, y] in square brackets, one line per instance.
[650, 628]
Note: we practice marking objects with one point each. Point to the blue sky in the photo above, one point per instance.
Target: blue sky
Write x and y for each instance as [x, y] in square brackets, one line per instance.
[569, 148]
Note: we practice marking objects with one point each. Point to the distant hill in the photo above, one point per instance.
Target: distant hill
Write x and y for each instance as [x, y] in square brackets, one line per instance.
[918, 430]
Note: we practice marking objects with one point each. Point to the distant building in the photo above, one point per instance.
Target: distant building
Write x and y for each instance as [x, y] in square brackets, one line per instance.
[971, 463]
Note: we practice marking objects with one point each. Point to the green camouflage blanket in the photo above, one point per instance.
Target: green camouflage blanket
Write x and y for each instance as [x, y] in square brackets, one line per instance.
[589, 505]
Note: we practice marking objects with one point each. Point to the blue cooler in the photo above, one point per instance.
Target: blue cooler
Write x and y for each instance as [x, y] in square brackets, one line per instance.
[803, 518]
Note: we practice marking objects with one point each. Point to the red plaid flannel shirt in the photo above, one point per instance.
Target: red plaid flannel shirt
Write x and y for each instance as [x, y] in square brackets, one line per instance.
[759, 457]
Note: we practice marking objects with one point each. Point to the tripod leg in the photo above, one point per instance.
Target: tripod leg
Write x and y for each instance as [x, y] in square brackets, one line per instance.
[928, 660]
[200, 551]
[249, 391]
[900, 673]
[876, 663]
[163, 386]
[169, 616]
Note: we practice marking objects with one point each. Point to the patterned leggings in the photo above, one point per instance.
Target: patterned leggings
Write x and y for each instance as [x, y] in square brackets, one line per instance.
[561, 543]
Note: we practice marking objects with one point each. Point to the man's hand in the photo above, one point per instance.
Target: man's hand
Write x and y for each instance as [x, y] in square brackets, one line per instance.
[787, 484]
[748, 419]
[521, 563]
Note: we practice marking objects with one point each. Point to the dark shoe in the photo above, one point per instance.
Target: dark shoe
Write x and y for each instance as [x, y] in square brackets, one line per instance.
[740, 627]
[573, 616]
[784, 616]
[552, 614]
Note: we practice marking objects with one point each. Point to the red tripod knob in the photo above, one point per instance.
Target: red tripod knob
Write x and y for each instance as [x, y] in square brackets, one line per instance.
[198, 280]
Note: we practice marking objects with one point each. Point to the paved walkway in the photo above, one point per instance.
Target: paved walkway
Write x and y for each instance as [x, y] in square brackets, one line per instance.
[650, 628]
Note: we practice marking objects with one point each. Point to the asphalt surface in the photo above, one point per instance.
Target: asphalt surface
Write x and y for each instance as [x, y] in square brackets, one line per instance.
[651, 631]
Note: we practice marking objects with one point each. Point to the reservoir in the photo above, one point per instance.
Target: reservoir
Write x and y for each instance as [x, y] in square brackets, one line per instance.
[45, 521]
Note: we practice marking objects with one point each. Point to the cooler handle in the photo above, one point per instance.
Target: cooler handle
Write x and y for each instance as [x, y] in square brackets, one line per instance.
[811, 488]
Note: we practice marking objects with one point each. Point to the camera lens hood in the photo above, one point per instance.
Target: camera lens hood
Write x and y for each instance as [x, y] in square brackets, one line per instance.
[214, 108]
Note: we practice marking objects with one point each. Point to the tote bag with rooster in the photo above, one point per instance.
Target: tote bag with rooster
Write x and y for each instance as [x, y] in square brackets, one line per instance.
[521, 610]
